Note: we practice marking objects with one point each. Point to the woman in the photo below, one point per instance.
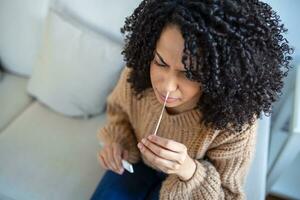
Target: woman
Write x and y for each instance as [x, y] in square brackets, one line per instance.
[222, 65]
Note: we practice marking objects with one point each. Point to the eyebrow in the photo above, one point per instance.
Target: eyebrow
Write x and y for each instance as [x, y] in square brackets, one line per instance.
[161, 59]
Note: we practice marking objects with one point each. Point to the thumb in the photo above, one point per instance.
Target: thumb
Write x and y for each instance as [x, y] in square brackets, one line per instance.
[125, 155]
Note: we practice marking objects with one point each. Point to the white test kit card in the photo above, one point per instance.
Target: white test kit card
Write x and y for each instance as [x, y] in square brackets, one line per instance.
[127, 166]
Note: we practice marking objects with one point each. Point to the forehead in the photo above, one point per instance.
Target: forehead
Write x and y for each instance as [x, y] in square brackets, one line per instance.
[170, 46]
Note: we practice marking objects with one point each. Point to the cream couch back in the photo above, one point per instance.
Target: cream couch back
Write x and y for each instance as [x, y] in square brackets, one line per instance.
[22, 24]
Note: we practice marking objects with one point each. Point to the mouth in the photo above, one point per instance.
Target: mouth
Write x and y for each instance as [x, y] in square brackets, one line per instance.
[169, 100]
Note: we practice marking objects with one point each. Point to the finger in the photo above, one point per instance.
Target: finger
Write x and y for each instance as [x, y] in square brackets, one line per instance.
[168, 170]
[107, 158]
[163, 153]
[104, 159]
[101, 160]
[168, 144]
[156, 160]
[117, 158]
[111, 159]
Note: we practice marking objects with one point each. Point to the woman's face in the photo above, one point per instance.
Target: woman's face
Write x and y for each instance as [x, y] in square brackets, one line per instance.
[167, 73]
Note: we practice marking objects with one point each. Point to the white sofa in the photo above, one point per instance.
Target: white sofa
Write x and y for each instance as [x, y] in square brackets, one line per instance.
[48, 152]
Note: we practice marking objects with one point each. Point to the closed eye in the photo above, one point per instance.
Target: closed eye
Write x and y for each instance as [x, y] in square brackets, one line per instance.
[159, 64]
[183, 72]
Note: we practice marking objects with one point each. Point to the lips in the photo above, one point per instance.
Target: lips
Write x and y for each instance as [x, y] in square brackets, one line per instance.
[169, 100]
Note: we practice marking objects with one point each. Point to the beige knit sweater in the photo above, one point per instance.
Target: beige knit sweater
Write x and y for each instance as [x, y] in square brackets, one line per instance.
[222, 158]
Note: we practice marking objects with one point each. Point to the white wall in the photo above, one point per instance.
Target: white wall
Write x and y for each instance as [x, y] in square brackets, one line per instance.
[289, 11]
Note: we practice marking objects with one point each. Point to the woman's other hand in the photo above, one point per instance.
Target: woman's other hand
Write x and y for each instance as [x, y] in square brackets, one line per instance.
[110, 157]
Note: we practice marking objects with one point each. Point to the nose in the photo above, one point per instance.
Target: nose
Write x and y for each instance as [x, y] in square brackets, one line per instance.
[171, 84]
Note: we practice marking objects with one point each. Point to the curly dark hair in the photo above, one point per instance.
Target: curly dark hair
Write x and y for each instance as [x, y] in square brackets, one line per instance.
[244, 60]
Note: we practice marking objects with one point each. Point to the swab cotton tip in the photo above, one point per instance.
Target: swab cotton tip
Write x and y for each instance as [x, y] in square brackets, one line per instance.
[161, 113]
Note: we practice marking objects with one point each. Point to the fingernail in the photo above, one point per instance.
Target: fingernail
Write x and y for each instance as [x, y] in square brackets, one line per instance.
[150, 137]
[139, 145]
[143, 140]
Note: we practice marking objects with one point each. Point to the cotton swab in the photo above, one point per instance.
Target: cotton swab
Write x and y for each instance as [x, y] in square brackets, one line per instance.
[161, 114]
[126, 164]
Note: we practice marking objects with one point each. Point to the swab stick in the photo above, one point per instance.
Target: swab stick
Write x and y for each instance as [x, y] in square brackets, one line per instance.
[161, 114]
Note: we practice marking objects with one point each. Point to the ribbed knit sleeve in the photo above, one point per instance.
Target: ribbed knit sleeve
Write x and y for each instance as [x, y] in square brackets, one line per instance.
[118, 128]
[221, 174]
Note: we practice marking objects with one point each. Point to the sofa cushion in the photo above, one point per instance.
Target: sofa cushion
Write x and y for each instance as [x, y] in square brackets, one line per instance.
[45, 155]
[108, 17]
[13, 97]
[77, 67]
[21, 25]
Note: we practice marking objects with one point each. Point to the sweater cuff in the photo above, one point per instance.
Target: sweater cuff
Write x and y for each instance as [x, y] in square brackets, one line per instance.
[175, 188]
[173, 182]
[198, 177]
[196, 167]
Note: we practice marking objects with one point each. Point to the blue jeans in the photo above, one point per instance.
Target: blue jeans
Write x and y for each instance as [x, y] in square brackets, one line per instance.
[143, 184]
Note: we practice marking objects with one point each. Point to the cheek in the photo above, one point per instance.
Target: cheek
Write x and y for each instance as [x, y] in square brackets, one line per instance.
[154, 74]
[190, 90]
